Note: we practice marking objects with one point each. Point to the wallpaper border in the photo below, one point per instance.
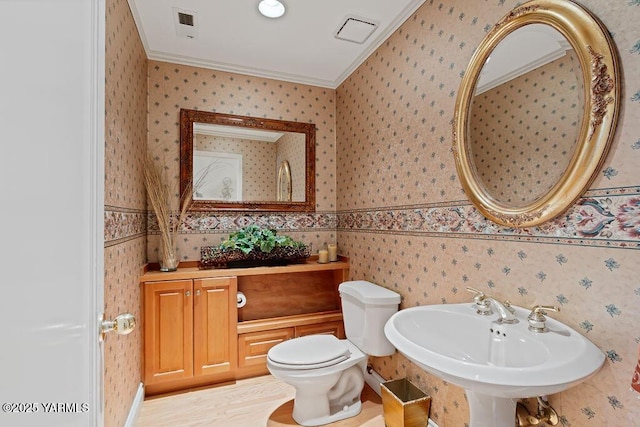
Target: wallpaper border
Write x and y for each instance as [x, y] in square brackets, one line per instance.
[609, 218]
[215, 222]
[122, 224]
[603, 218]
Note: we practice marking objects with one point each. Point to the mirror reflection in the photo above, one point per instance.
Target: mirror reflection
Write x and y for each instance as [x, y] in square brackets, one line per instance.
[235, 164]
[285, 188]
[526, 114]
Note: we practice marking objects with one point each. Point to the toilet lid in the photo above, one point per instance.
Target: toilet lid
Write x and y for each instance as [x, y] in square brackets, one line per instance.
[309, 352]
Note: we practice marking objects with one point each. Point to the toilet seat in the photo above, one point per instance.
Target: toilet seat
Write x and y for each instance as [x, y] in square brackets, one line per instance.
[309, 352]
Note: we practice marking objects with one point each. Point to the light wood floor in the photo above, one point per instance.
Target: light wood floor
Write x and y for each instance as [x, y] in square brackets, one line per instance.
[254, 402]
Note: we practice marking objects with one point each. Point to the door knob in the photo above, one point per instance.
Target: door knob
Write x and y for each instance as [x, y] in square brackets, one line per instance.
[121, 325]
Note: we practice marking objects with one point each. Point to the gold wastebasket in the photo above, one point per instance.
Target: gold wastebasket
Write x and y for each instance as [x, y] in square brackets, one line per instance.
[404, 404]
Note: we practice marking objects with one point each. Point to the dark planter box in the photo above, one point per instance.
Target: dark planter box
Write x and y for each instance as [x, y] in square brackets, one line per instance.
[215, 257]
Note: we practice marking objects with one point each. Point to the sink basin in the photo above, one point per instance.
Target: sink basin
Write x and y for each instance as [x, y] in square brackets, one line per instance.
[495, 363]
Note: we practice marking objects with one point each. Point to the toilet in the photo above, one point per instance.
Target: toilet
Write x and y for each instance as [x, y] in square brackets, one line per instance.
[328, 373]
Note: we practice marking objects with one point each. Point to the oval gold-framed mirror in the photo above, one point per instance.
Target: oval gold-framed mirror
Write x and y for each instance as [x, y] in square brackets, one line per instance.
[523, 179]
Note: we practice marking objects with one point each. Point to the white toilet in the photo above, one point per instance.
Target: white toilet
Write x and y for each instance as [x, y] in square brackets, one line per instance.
[328, 373]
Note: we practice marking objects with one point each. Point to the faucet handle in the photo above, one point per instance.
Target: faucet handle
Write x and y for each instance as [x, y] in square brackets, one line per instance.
[478, 296]
[483, 305]
[541, 310]
[536, 317]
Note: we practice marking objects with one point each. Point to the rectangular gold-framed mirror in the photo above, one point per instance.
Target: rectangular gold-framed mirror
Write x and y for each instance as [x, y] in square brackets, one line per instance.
[233, 162]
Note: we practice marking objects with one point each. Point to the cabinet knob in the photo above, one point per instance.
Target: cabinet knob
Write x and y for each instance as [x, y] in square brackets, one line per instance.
[198, 293]
[187, 293]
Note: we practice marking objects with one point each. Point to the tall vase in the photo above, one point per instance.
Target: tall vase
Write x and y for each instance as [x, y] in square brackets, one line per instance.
[168, 260]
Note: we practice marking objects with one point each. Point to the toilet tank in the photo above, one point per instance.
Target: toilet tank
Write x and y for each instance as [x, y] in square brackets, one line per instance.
[366, 307]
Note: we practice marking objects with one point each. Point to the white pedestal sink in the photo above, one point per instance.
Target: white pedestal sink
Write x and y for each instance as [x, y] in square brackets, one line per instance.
[495, 363]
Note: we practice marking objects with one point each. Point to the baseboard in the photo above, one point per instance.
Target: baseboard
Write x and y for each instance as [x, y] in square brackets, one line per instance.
[136, 406]
[373, 379]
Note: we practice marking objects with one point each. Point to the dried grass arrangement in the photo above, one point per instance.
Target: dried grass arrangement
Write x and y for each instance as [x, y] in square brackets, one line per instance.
[157, 186]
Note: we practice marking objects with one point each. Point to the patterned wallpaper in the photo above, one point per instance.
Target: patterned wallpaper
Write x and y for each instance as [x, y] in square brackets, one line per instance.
[258, 160]
[125, 204]
[173, 86]
[407, 225]
[509, 129]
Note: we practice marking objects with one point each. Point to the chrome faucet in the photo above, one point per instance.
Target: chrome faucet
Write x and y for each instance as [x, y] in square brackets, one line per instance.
[484, 304]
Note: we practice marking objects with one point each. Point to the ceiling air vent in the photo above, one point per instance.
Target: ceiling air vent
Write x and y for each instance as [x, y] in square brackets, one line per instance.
[356, 29]
[185, 19]
[186, 23]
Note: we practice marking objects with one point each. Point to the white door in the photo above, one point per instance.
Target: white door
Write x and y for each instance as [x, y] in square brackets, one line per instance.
[51, 211]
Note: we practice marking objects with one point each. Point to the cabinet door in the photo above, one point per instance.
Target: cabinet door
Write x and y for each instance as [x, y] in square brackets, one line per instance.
[168, 327]
[334, 328]
[215, 326]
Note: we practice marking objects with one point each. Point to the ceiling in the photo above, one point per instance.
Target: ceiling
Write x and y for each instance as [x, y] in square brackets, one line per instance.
[301, 47]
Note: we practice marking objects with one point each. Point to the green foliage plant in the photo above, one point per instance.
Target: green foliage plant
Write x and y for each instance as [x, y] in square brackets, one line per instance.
[254, 237]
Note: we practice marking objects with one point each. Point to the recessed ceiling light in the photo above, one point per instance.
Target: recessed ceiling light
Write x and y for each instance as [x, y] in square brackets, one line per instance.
[271, 8]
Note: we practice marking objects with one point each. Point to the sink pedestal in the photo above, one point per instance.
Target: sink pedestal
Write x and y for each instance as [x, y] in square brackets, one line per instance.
[490, 411]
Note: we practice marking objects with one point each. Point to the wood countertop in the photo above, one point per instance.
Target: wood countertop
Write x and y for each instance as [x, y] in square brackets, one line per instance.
[190, 270]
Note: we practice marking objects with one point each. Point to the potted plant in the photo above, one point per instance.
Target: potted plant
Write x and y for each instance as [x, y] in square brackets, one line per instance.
[253, 246]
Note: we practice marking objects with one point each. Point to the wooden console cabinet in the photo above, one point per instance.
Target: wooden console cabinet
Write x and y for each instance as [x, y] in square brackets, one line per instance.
[194, 334]
[190, 328]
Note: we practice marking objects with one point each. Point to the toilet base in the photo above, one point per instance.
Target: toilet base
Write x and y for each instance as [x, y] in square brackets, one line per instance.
[347, 412]
[329, 398]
